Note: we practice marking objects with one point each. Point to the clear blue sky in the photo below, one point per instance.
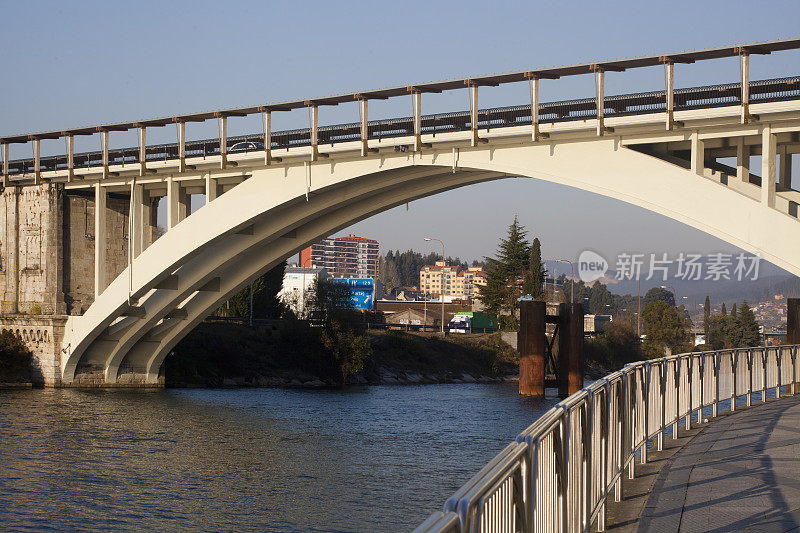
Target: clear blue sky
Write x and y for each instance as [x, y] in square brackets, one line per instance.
[68, 64]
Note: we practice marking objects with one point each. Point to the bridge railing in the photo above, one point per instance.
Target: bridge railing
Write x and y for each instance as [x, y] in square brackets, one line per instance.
[549, 112]
[558, 474]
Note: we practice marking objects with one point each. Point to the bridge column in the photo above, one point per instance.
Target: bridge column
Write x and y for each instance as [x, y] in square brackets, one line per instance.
[698, 154]
[768, 153]
[137, 219]
[742, 160]
[100, 197]
[570, 349]
[785, 172]
[212, 189]
[532, 347]
[177, 202]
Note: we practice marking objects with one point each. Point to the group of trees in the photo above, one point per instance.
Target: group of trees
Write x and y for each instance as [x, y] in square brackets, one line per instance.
[515, 270]
[401, 269]
[266, 303]
[738, 329]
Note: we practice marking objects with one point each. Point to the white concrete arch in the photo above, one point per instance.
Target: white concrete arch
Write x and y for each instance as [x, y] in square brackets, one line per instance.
[272, 210]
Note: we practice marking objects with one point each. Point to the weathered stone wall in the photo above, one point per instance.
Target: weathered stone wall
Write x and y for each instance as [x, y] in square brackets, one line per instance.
[42, 335]
[79, 235]
[31, 254]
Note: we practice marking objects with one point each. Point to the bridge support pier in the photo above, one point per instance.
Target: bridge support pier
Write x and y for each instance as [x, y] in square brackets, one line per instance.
[793, 333]
[532, 345]
[570, 350]
[100, 198]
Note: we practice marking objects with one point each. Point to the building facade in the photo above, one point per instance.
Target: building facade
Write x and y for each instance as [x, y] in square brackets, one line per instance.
[443, 279]
[344, 257]
[297, 285]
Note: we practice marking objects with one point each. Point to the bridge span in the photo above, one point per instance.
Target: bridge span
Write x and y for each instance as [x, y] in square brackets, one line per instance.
[105, 301]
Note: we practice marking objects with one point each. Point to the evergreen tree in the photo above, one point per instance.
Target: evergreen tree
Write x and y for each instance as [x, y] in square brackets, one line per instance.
[505, 274]
[666, 331]
[706, 314]
[534, 278]
[724, 310]
[751, 334]
[733, 310]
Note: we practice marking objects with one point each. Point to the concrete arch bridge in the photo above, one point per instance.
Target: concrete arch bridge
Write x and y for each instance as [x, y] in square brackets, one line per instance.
[664, 151]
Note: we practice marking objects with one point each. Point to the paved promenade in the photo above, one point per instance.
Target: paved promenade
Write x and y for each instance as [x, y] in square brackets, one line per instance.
[740, 472]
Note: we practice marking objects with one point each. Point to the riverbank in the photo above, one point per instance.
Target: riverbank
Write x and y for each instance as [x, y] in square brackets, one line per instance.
[291, 355]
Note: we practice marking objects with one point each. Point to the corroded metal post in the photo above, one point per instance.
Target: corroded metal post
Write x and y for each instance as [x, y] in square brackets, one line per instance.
[532, 347]
[793, 334]
[570, 349]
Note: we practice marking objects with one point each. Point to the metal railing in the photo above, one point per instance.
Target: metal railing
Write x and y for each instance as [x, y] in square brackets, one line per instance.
[501, 117]
[558, 473]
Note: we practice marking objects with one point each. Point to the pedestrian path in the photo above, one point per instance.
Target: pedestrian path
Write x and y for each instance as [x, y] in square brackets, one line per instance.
[741, 472]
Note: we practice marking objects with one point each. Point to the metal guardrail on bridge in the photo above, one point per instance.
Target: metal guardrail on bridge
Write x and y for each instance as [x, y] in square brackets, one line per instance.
[761, 91]
[558, 473]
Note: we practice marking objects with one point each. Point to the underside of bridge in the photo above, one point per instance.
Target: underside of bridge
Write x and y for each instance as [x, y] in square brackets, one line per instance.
[93, 251]
[273, 213]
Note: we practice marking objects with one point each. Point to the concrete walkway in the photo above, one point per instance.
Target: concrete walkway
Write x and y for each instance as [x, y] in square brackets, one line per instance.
[741, 472]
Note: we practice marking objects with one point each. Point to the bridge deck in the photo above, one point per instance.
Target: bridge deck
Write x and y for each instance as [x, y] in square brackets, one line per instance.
[739, 472]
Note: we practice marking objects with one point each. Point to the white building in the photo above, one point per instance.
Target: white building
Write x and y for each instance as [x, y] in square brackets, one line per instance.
[297, 284]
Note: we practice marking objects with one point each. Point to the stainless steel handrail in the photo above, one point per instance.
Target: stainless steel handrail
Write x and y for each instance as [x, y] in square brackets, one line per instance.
[558, 473]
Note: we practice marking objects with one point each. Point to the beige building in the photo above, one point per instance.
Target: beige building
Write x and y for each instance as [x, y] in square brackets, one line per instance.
[449, 280]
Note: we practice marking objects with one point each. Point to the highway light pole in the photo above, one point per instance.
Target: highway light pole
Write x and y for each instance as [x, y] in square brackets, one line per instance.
[572, 277]
[441, 293]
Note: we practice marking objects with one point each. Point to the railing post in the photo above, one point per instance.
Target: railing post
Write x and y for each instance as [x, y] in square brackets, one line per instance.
[690, 381]
[735, 372]
[750, 375]
[716, 384]
[646, 406]
[662, 373]
[678, 364]
[702, 374]
[6, 181]
[764, 359]
[69, 140]
[744, 68]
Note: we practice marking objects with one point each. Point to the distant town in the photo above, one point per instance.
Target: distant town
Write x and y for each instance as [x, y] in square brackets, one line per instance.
[439, 284]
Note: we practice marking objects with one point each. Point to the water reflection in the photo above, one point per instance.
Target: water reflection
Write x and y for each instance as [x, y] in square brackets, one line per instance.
[364, 459]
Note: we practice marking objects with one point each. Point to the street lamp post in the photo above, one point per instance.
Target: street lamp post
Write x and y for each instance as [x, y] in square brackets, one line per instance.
[441, 294]
[571, 275]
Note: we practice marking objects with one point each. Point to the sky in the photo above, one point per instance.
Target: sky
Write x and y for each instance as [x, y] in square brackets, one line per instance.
[70, 64]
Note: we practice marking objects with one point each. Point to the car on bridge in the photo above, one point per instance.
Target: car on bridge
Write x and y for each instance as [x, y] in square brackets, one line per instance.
[246, 146]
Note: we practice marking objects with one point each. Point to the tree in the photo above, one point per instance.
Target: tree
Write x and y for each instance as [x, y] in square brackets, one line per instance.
[724, 311]
[266, 303]
[751, 333]
[534, 277]
[733, 310]
[345, 343]
[733, 331]
[658, 294]
[666, 330]
[505, 274]
[706, 314]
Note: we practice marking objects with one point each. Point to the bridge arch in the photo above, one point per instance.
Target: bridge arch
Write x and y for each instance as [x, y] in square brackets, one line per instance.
[199, 263]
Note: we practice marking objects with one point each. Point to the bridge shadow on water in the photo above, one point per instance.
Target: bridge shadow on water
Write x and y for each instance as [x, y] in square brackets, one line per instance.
[740, 473]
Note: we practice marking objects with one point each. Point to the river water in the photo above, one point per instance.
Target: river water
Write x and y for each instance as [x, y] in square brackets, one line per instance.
[376, 458]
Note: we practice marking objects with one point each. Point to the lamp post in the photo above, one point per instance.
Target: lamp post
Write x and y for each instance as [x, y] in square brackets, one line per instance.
[572, 277]
[428, 239]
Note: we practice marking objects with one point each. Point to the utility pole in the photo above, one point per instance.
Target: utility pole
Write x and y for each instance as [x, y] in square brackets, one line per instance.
[428, 239]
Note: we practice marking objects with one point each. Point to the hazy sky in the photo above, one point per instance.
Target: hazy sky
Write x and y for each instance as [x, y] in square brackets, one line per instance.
[69, 64]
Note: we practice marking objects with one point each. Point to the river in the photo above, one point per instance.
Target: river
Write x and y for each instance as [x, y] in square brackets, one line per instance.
[377, 458]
